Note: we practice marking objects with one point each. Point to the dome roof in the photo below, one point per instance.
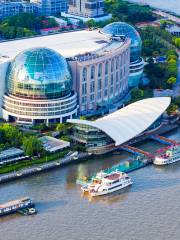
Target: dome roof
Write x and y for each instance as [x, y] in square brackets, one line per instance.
[122, 28]
[39, 73]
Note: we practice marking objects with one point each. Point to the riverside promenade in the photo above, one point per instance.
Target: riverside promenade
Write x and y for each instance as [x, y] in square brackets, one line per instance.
[42, 167]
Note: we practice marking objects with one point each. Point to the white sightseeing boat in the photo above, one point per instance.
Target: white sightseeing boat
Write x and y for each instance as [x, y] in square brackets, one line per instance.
[171, 155]
[107, 184]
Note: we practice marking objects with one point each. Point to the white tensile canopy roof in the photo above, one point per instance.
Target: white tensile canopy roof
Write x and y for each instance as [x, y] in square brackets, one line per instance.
[129, 121]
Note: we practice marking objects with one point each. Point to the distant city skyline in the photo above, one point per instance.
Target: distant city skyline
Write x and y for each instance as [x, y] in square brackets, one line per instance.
[38, 7]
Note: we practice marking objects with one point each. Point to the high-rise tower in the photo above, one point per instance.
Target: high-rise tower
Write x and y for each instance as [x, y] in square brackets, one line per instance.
[86, 8]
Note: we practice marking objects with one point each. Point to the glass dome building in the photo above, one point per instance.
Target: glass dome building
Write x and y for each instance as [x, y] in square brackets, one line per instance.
[39, 73]
[39, 88]
[136, 62]
[124, 29]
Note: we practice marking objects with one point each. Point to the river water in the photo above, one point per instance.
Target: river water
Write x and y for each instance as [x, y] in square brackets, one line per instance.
[170, 5]
[148, 210]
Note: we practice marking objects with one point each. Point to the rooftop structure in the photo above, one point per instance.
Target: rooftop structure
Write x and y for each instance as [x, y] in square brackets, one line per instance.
[174, 30]
[14, 202]
[67, 44]
[51, 144]
[99, 69]
[76, 18]
[122, 125]
[10, 154]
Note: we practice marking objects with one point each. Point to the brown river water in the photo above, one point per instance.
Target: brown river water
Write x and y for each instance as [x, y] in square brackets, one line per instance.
[149, 210]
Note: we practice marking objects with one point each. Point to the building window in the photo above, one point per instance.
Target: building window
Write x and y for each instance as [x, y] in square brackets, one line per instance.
[92, 87]
[106, 81]
[84, 100]
[120, 85]
[112, 65]
[111, 92]
[112, 85]
[99, 95]
[92, 98]
[112, 80]
[117, 84]
[84, 85]
[124, 58]
[106, 67]
[120, 73]
[105, 92]
[92, 72]
[84, 74]
[117, 77]
[99, 84]
[120, 61]
[100, 70]
[117, 63]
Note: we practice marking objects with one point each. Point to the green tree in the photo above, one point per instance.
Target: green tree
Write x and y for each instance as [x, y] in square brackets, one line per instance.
[2, 139]
[32, 146]
[2, 146]
[172, 108]
[177, 42]
[82, 117]
[137, 93]
[91, 23]
[177, 101]
[172, 70]
[66, 138]
[171, 80]
[12, 135]
[171, 57]
[61, 127]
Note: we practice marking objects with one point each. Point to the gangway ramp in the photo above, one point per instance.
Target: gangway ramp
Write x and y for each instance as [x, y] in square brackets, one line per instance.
[164, 140]
[137, 151]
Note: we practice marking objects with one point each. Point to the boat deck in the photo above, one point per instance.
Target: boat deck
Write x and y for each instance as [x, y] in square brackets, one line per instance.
[13, 203]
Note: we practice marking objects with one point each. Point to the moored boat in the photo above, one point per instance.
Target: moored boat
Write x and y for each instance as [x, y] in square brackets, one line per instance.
[107, 184]
[14, 206]
[171, 155]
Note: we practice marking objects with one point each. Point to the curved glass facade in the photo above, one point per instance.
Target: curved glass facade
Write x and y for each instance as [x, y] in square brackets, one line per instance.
[90, 136]
[39, 73]
[124, 29]
[136, 73]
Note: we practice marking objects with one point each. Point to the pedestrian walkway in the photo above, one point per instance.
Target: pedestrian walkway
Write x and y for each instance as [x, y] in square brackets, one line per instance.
[164, 140]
